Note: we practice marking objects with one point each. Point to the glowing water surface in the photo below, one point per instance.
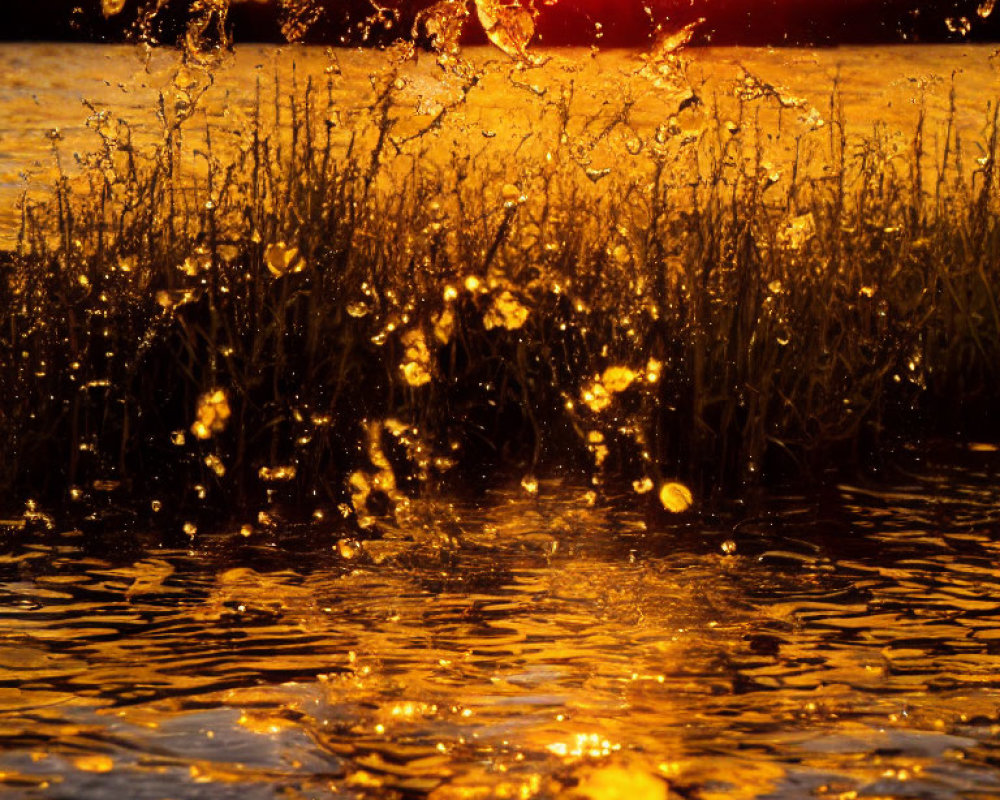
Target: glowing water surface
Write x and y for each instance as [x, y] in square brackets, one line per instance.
[558, 649]
[47, 92]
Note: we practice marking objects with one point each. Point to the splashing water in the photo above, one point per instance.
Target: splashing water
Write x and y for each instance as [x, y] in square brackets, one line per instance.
[112, 7]
[562, 649]
[509, 26]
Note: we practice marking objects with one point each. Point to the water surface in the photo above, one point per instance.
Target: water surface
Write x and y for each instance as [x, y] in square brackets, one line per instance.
[48, 91]
[520, 647]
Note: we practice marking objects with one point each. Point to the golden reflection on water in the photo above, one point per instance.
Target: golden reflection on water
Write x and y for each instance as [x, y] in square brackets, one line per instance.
[559, 648]
[615, 101]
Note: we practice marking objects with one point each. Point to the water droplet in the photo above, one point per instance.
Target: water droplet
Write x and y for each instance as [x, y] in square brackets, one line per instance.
[511, 195]
[348, 548]
[617, 379]
[214, 463]
[621, 254]
[112, 7]
[675, 497]
[277, 474]
[416, 364]
[642, 485]
[959, 25]
[506, 311]
[444, 325]
[596, 174]
[212, 414]
[282, 259]
[509, 27]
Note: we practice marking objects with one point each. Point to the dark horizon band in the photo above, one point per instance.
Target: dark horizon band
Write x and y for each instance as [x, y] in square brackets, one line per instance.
[566, 22]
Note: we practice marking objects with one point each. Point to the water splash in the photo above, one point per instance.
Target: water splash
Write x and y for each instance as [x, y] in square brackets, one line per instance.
[112, 7]
[509, 26]
[212, 414]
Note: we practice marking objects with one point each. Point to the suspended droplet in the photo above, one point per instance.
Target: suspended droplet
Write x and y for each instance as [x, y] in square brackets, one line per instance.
[112, 7]
[511, 195]
[959, 25]
[506, 311]
[509, 27]
[212, 414]
[444, 325]
[276, 474]
[675, 497]
[617, 379]
[621, 254]
[642, 485]
[282, 259]
[443, 23]
[416, 364]
[595, 397]
[348, 548]
[214, 463]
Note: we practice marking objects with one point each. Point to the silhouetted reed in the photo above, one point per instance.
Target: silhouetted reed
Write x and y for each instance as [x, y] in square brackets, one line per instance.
[316, 317]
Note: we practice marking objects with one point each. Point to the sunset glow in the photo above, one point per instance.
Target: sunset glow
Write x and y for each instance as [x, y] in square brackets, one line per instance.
[604, 22]
[499, 399]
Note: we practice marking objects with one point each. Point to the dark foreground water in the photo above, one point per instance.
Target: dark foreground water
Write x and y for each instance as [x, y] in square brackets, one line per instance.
[849, 648]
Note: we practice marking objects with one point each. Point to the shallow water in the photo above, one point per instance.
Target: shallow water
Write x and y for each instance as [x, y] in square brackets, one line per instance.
[47, 92]
[820, 649]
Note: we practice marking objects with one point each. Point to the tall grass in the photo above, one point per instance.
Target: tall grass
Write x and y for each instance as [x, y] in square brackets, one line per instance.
[373, 311]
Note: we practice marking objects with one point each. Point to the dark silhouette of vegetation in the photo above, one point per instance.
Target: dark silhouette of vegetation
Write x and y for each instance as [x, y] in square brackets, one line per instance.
[340, 322]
